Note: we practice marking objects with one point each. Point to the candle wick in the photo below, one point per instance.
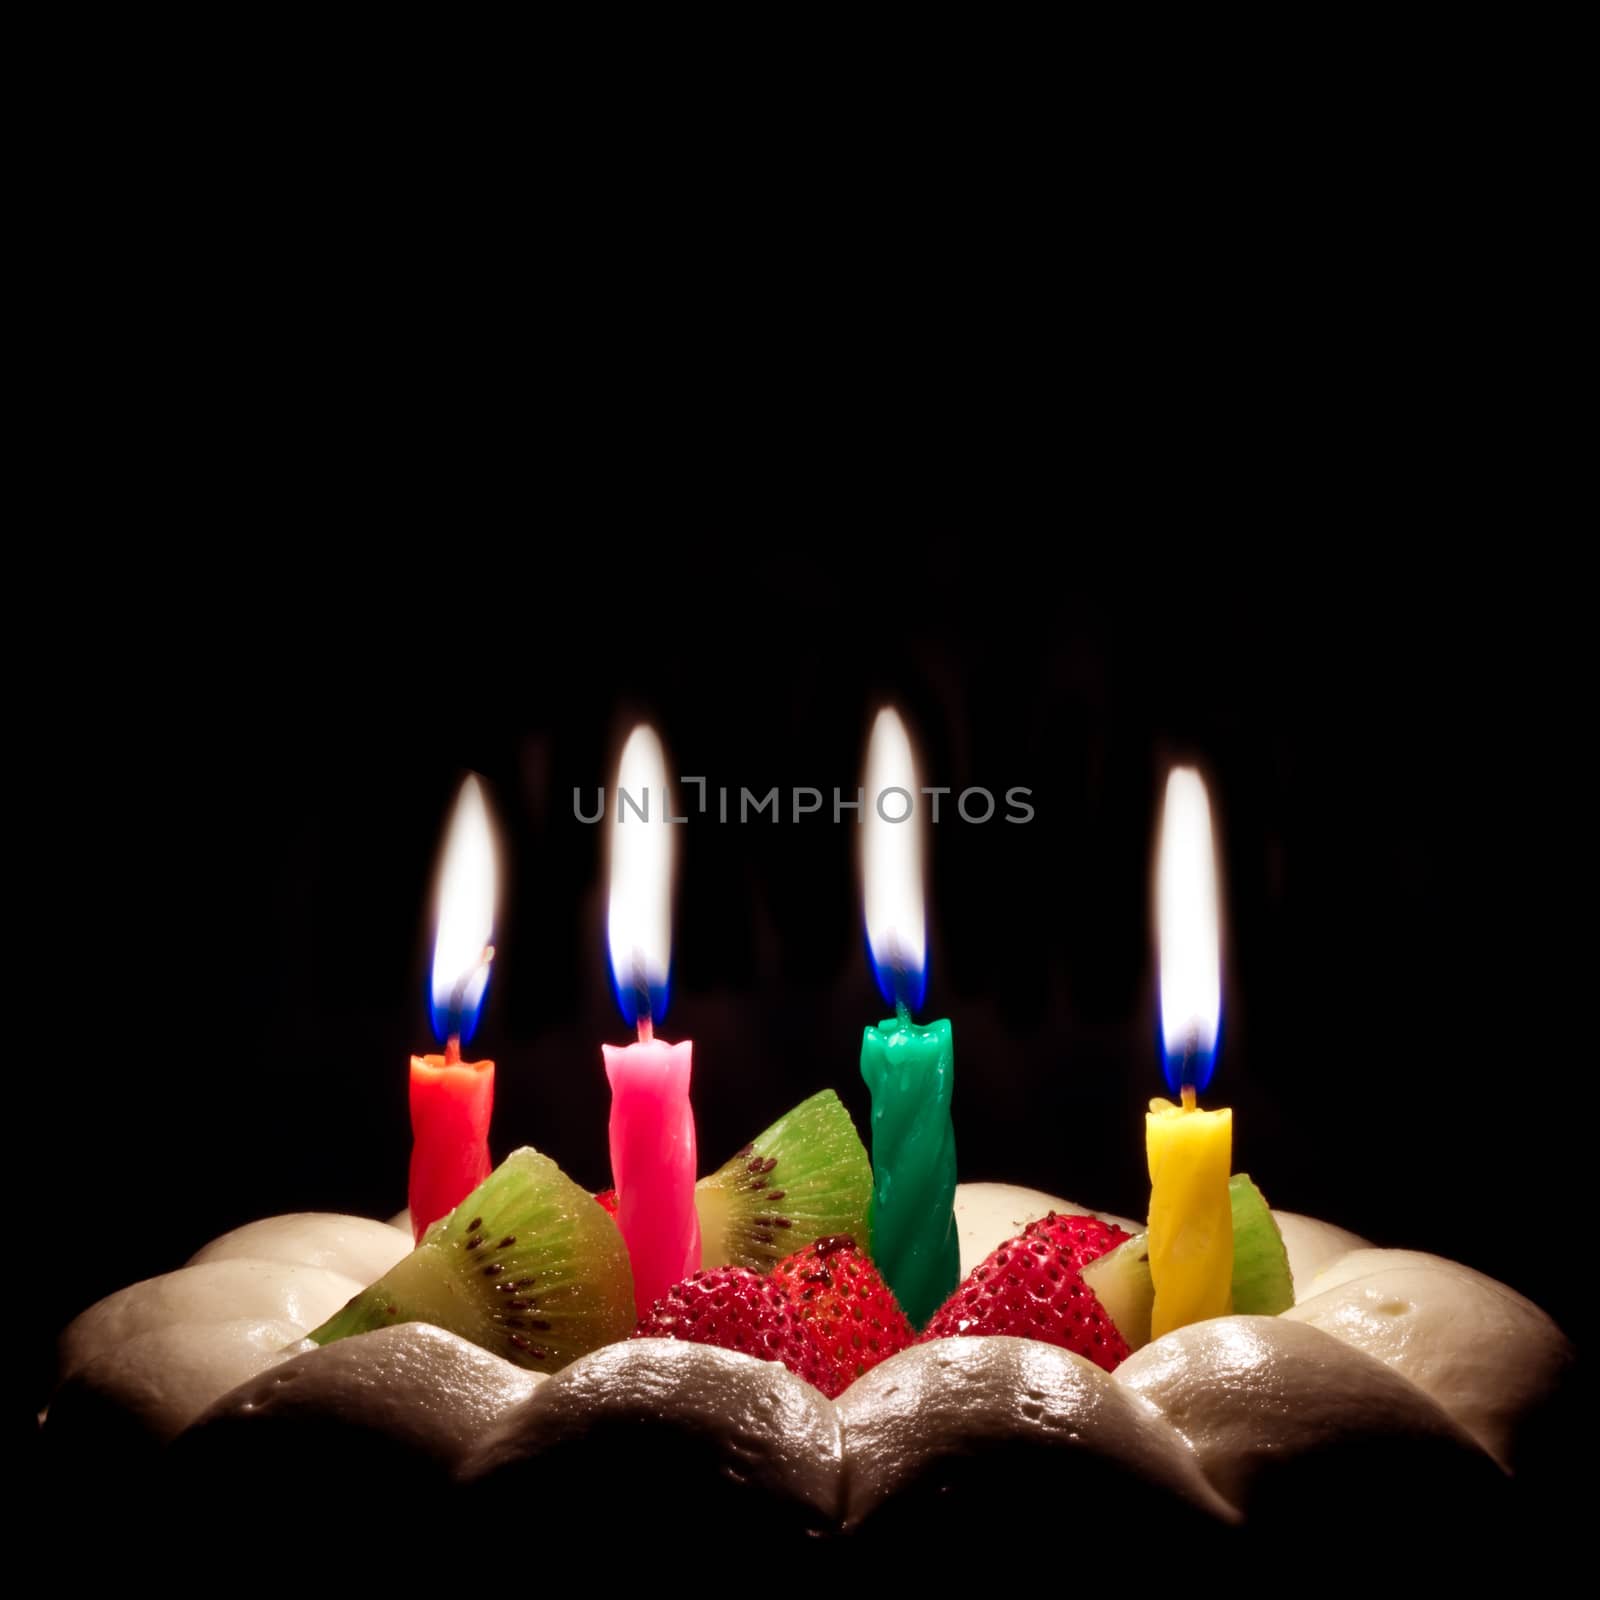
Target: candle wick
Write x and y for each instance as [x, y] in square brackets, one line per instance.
[458, 1004]
[644, 1017]
[1188, 1096]
[902, 1014]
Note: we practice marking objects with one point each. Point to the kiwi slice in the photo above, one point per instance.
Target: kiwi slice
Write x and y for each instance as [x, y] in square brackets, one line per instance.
[1121, 1283]
[1262, 1285]
[527, 1266]
[806, 1178]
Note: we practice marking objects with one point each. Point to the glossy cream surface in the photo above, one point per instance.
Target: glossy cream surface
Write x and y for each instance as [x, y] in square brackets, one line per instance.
[1311, 1245]
[356, 1247]
[215, 1291]
[1393, 1347]
[1253, 1395]
[425, 1389]
[1486, 1354]
[733, 1416]
[163, 1379]
[957, 1399]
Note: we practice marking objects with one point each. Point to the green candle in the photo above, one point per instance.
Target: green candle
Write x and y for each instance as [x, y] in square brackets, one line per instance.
[910, 1069]
[911, 1072]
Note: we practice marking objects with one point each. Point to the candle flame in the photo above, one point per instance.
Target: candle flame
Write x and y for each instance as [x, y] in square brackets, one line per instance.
[639, 923]
[891, 864]
[461, 948]
[1187, 920]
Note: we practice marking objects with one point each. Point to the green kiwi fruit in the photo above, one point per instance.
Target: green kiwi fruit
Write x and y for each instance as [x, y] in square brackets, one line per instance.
[806, 1178]
[1262, 1285]
[527, 1266]
[1121, 1283]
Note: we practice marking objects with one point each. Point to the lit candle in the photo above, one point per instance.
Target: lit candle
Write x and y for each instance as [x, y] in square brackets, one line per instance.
[1190, 1151]
[451, 1099]
[909, 1069]
[652, 1123]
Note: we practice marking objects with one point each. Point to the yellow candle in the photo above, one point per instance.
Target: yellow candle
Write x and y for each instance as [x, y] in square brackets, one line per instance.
[1191, 1216]
[1190, 1151]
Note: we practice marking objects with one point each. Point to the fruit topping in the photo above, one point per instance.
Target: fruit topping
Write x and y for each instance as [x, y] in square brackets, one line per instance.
[1032, 1288]
[527, 1266]
[840, 1295]
[737, 1309]
[807, 1177]
[1262, 1284]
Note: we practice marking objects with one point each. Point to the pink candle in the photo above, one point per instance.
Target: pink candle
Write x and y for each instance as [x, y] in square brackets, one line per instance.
[652, 1124]
[653, 1161]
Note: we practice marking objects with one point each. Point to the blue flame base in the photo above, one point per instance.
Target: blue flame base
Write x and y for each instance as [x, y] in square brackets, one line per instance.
[898, 984]
[1186, 1063]
[457, 1017]
[639, 1001]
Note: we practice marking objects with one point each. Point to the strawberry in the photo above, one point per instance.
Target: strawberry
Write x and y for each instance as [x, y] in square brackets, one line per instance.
[1031, 1288]
[737, 1309]
[840, 1296]
[1082, 1239]
[608, 1200]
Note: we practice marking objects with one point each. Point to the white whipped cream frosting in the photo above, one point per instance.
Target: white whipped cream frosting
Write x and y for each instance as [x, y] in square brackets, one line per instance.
[1380, 1342]
[356, 1247]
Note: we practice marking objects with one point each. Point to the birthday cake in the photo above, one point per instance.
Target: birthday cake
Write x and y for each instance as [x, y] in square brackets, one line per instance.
[781, 1392]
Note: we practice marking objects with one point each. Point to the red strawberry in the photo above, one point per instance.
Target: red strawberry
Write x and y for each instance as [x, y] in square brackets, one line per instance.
[738, 1309]
[1083, 1239]
[608, 1200]
[1030, 1288]
[841, 1298]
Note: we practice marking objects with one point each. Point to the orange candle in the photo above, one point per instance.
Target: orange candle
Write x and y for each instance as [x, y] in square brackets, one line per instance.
[451, 1103]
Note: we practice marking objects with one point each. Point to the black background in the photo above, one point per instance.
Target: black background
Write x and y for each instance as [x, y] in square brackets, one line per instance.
[238, 810]
[359, 445]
